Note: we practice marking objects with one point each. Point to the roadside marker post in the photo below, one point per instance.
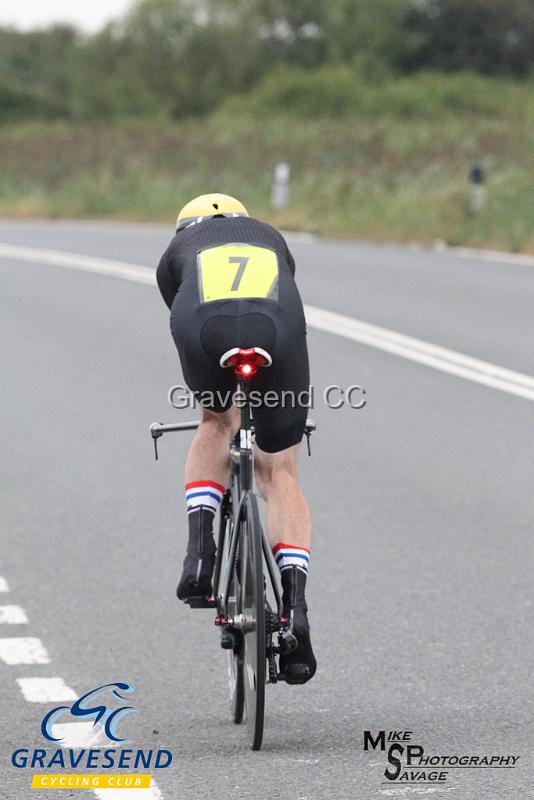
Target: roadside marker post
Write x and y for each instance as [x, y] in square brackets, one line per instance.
[477, 188]
[280, 188]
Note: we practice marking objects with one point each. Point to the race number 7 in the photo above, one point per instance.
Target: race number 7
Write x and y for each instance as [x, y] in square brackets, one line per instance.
[242, 261]
[237, 270]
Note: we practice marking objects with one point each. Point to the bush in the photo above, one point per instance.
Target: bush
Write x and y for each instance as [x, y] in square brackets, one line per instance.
[394, 169]
[341, 90]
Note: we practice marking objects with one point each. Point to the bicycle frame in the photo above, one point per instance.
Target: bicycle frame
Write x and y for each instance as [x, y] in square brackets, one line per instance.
[245, 615]
[241, 482]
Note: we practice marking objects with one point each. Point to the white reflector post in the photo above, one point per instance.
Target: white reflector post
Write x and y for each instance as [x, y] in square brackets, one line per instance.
[280, 190]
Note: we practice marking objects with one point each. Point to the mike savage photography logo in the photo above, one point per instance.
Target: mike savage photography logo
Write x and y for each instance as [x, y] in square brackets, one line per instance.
[408, 763]
[93, 717]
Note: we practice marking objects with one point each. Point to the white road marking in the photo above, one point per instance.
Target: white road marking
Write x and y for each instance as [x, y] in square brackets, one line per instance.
[430, 355]
[299, 237]
[499, 256]
[46, 690]
[77, 261]
[77, 735]
[12, 615]
[21, 650]
[417, 790]
[3, 585]
[153, 793]
[81, 734]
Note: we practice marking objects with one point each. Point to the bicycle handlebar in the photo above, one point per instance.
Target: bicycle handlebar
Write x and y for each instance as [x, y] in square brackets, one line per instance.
[157, 429]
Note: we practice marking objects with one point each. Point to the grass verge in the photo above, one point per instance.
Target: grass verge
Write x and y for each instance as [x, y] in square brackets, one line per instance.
[384, 163]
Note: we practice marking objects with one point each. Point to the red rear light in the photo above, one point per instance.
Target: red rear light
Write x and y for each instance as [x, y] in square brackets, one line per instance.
[245, 361]
[246, 370]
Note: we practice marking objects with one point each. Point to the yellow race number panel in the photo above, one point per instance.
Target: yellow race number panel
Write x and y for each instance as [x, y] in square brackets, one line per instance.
[236, 271]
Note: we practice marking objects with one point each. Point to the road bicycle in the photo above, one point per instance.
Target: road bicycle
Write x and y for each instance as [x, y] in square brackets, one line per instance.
[251, 631]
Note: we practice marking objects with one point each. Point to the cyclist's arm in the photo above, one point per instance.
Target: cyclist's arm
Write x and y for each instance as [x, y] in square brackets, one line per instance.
[167, 283]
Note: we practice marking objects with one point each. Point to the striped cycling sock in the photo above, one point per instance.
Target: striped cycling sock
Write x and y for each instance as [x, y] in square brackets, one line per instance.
[206, 495]
[288, 555]
[203, 500]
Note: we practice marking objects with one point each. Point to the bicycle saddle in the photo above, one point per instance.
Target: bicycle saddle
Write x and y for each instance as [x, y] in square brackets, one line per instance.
[246, 362]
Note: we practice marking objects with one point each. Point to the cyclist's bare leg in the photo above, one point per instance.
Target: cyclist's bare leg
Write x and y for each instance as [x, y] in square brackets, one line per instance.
[208, 455]
[289, 527]
[288, 513]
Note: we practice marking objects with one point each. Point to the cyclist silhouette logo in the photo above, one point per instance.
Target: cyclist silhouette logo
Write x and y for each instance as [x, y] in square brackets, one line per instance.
[84, 708]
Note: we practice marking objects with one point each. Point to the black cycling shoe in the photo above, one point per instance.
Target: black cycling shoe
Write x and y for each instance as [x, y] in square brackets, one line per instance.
[298, 665]
[199, 560]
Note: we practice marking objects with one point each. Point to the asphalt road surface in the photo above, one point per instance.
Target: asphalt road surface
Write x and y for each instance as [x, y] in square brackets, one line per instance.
[420, 587]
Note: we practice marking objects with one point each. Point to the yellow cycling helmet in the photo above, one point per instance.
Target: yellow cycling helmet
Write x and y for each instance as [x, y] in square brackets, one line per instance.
[206, 206]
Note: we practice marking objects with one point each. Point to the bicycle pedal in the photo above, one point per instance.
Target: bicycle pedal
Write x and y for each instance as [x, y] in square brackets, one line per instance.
[200, 602]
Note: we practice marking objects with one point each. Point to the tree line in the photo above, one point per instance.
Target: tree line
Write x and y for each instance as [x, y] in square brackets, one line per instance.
[177, 58]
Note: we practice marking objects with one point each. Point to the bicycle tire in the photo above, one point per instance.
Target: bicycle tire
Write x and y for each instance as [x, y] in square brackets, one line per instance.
[253, 609]
[237, 687]
[235, 656]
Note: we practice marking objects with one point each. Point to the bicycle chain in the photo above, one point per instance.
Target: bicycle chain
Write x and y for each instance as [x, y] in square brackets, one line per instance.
[272, 623]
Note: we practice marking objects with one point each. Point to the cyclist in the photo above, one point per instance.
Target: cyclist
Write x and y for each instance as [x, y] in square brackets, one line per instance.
[228, 281]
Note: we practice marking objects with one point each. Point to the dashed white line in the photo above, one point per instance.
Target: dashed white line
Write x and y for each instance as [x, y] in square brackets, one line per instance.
[23, 650]
[75, 735]
[78, 735]
[416, 790]
[153, 793]
[12, 615]
[430, 355]
[46, 690]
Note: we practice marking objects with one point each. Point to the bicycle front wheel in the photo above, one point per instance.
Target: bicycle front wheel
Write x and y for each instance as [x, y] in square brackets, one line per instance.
[253, 609]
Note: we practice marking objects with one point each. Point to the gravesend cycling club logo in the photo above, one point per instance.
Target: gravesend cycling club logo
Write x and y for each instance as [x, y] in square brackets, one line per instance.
[409, 762]
[94, 717]
[106, 716]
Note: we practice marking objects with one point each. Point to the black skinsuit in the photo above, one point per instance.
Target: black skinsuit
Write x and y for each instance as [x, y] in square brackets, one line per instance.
[203, 328]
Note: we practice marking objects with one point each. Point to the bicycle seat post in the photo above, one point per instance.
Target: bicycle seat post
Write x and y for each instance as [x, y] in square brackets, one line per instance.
[245, 434]
[245, 363]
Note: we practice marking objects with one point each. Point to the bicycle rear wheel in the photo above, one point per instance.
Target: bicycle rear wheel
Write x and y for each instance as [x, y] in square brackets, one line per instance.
[235, 656]
[253, 610]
